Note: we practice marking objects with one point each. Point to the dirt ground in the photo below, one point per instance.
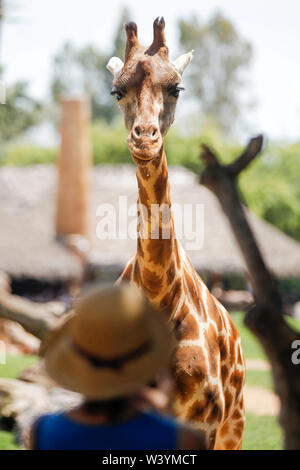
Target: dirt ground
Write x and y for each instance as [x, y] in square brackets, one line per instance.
[261, 401]
[257, 364]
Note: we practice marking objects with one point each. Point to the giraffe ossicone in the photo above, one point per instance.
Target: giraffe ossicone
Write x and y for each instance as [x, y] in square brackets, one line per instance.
[208, 364]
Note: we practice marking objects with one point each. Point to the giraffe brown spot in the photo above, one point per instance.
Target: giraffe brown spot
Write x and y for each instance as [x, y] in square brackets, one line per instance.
[139, 248]
[184, 387]
[170, 300]
[228, 400]
[223, 347]
[160, 185]
[215, 413]
[237, 414]
[232, 344]
[161, 251]
[143, 195]
[207, 408]
[212, 338]
[236, 379]
[151, 282]
[144, 172]
[239, 429]
[175, 293]
[189, 369]
[229, 444]
[171, 273]
[212, 394]
[156, 162]
[191, 288]
[164, 232]
[224, 373]
[224, 429]
[186, 326]
[212, 347]
[177, 257]
[197, 411]
[136, 273]
[214, 312]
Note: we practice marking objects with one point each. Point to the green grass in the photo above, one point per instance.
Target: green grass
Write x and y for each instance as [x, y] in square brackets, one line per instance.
[27, 155]
[250, 344]
[259, 378]
[15, 365]
[262, 433]
[7, 441]
[12, 369]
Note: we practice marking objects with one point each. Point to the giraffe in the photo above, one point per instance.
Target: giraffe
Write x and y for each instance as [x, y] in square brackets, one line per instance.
[208, 364]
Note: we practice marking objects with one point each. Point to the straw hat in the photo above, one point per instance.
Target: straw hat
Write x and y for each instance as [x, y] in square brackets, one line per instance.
[114, 343]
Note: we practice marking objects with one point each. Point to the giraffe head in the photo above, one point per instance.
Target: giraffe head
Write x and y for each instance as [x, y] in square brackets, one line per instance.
[147, 87]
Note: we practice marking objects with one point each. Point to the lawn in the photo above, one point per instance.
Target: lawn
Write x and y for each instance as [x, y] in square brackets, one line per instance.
[15, 364]
[261, 432]
[7, 441]
[13, 367]
[250, 344]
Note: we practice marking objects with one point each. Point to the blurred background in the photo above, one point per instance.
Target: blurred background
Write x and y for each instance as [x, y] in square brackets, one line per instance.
[244, 80]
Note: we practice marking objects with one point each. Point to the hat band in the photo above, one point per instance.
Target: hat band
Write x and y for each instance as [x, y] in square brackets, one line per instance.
[117, 362]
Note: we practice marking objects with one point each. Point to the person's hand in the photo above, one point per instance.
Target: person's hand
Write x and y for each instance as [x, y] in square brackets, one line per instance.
[158, 394]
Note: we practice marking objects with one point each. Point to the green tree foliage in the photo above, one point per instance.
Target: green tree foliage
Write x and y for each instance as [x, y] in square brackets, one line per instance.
[19, 113]
[270, 186]
[216, 77]
[83, 70]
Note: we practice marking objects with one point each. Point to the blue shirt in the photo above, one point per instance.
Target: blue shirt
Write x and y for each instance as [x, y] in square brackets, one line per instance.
[146, 431]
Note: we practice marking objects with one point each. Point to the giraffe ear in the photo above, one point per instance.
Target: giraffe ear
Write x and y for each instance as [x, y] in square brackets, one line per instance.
[183, 61]
[115, 65]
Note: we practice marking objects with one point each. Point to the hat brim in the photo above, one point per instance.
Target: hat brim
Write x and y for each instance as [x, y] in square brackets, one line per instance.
[72, 371]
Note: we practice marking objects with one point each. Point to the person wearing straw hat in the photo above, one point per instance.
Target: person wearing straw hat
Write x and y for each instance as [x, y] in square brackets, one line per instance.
[110, 350]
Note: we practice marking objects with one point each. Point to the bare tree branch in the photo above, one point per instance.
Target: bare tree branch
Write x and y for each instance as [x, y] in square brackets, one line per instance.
[266, 319]
[252, 150]
[35, 318]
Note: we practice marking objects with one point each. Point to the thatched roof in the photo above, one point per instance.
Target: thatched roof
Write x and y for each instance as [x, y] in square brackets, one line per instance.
[27, 240]
[27, 245]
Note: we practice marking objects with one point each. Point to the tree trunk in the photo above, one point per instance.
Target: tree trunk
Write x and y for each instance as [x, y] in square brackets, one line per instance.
[266, 318]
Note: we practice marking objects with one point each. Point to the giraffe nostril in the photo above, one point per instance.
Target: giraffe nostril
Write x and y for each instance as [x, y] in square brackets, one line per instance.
[137, 131]
[147, 132]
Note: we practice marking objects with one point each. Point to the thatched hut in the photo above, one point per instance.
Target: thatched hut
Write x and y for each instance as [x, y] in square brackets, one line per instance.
[28, 249]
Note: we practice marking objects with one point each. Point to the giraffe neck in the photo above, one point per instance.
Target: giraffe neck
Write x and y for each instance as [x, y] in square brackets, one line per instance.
[157, 260]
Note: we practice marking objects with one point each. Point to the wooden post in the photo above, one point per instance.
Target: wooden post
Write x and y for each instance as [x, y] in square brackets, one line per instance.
[74, 170]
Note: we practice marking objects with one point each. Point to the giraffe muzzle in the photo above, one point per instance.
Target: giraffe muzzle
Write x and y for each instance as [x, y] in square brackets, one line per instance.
[145, 142]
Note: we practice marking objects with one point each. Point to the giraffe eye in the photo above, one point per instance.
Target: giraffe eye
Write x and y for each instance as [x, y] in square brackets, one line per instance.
[174, 91]
[118, 94]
